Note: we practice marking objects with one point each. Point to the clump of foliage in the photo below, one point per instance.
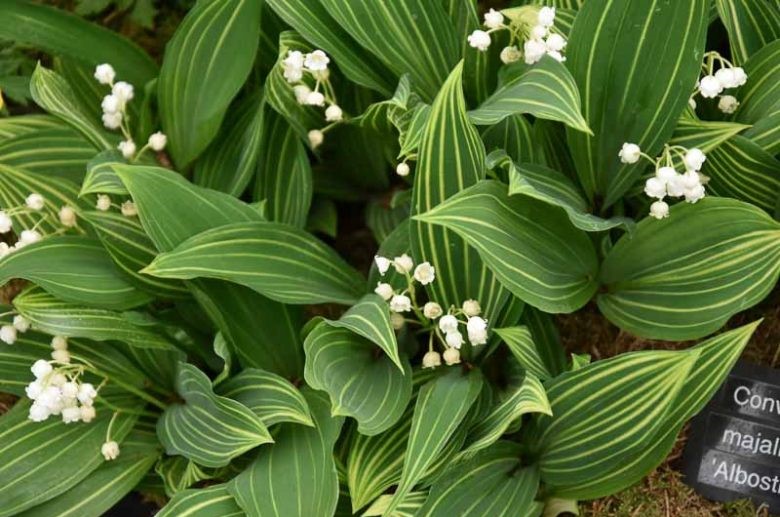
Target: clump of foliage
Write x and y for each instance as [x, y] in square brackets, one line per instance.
[175, 227]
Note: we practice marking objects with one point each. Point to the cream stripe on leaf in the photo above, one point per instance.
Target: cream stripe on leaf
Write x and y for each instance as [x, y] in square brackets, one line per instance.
[494, 483]
[296, 476]
[74, 269]
[546, 90]
[716, 358]
[544, 332]
[759, 97]
[683, 277]
[704, 134]
[606, 412]
[213, 501]
[610, 48]
[751, 25]
[370, 388]
[515, 136]
[179, 473]
[522, 347]
[766, 133]
[101, 177]
[530, 246]
[408, 507]
[18, 125]
[205, 64]
[59, 152]
[206, 428]
[451, 158]
[49, 454]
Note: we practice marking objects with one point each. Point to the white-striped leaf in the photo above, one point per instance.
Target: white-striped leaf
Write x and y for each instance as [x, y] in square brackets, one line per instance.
[213, 501]
[208, 429]
[12, 127]
[493, 483]
[205, 64]
[296, 476]
[740, 169]
[417, 37]
[58, 152]
[60, 318]
[544, 332]
[106, 485]
[530, 246]
[605, 412]
[283, 176]
[271, 397]
[704, 134]
[52, 93]
[683, 277]
[179, 473]
[760, 96]
[716, 358]
[41, 460]
[751, 25]
[408, 507]
[63, 33]
[766, 133]
[521, 344]
[311, 19]
[513, 135]
[609, 46]
[440, 409]
[362, 382]
[545, 90]
[279, 261]
[228, 164]
[529, 397]
[100, 177]
[74, 269]
[451, 158]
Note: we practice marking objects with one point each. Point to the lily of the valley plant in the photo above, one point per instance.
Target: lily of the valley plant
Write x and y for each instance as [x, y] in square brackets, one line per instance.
[307, 263]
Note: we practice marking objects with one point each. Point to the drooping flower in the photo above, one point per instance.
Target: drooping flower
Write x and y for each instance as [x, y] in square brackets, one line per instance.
[129, 209]
[477, 330]
[659, 209]
[316, 137]
[158, 141]
[448, 323]
[8, 334]
[59, 343]
[424, 273]
[35, 201]
[402, 169]
[479, 40]
[67, 216]
[694, 158]
[451, 356]
[384, 290]
[21, 323]
[630, 153]
[111, 104]
[546, 17]
[400, 303]
[471, 308]
[333, 113]
[432, 310]
[315, 99]
[127, 148]
[6, 223]
[382, 264]
[655, 187]
[103, 202]
[301, 92]
[105, 73]
[431, 359]
[316, 61]
[123, 92]
[493, 19]
[555, 42]
[534, 50]
[728, 104]
[454, 339]
[510, 54]
[28, 237]
[710, 87]
[112, 120]
[110, 450]
[403, 264]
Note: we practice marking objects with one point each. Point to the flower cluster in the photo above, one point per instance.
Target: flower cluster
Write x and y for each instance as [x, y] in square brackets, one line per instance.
[539, 39]
[57, 388]
[33, 203]
[713, 82]
[297, 66]
[9, 333]
[448, 328]
[127, 208]
[667, 181]
[115, 115]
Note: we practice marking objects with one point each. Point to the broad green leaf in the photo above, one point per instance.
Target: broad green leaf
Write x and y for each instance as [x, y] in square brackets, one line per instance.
[546, 90]
[208, 429]
[74, 269]
[312, 20]
[751, 25]
[610, 46]
[683, 277]
[451, 158]
[716, 358]
[271, 397]
[382, 219]
[52, 93]
[283, 177]
[107, 484]
[529, 397]
[41, 460]
[59, 32]
[179, 473]
[530, 246]
[605, 412]
[759, 96]
[440, 408]
[417, 37]
[205, 64]
[407, 508]
[513, 135]
[362, 382]
[706, 135]
[554, 150]
[296, 476]
[493, 483]
[544, 332]
[740, 169]
[766, 133]
[100, 177]
[213, 501]
[229, 162]
[12, 127]
[58, 152]
[131, 250]
[277, 260]
[60, 318]
[521, 344]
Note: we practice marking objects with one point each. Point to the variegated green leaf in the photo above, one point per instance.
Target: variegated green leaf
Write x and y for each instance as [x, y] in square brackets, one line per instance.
[279, 261]
[271, 397]
[408, 507]
[74, 269]
[530, 246]
[296, 476]
[372, 389]
[683, 277]
[545, 90]
[521, 344]
[766, 133]
[544, 332]
[751, 24]
[179, 473]
[12, 127]
[205, 64]
[609, 46]
[214, 501]
[514, 136]
[208, 429]
[58, 152]
[100, 177]
[758, 98]
[703, 134]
